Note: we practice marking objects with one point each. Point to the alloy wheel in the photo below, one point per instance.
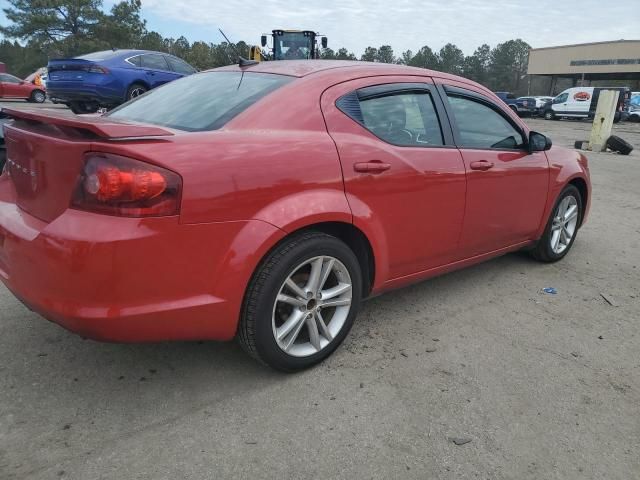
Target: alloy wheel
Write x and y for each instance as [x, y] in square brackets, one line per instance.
[136, 92]
[312, 306]
[563, 227]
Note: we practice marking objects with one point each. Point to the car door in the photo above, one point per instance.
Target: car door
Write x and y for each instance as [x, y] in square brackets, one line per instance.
[13, 87]
[157, 71]
[506, 184]
[559, 103]
[403, 176]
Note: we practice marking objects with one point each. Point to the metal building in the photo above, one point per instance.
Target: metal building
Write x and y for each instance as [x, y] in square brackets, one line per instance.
[587, 62]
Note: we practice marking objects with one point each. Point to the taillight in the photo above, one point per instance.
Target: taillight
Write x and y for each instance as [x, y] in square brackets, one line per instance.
[116, 185]
[98, 69]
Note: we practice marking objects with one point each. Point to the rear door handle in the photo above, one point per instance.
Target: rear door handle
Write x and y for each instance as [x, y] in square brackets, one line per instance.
[150, 73]
[374, 166]
[481, 165]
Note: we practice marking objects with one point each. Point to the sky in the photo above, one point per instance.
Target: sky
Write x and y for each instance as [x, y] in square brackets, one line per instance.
[403, 24]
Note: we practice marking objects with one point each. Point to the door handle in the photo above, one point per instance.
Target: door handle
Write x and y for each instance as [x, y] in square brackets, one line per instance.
[374, 166]
[481, 165]
[151, 73]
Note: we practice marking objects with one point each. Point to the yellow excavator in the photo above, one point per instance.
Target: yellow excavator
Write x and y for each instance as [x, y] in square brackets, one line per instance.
[289, 45]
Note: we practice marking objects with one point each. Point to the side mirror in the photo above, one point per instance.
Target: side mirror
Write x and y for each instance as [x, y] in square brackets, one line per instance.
[539, 142]
[263, 40]
[324, 42]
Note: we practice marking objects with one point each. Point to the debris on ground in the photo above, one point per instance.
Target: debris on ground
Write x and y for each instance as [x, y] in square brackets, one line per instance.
[549, 291]
[430, 350]
[619, 145]
[609, 299]
[460, 440]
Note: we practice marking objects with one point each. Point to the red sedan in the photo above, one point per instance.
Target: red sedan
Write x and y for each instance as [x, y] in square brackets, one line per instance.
[13, 88]
[265, 202]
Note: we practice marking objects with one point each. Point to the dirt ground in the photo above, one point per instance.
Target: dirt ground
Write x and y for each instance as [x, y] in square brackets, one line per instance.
[542, 386]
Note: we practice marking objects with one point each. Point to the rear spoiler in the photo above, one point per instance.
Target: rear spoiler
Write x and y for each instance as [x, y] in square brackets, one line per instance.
[102, 127]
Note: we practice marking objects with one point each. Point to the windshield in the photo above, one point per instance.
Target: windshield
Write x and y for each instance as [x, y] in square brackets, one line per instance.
[203, 101]
[292, 46]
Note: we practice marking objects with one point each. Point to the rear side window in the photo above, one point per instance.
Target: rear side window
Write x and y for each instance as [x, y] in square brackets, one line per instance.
[179, 66]
[204, 101]
[135, 60]
[403, 118]
[153, 61]
[480, 126]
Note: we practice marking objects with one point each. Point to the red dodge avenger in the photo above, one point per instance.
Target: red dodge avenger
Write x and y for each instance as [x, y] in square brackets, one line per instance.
[265, 202]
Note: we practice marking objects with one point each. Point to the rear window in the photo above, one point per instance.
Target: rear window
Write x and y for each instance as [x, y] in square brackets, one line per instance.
[204, 101]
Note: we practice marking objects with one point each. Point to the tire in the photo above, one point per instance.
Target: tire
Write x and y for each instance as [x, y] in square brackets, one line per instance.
[136, 90]
[544, 250]
[80, 108]
[37, 96]
[514, 109]
[264, 313]
[617, 117]
[619, 145]
[549, 115]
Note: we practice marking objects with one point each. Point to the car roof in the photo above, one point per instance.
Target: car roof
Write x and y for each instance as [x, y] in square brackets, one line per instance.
[303, 68]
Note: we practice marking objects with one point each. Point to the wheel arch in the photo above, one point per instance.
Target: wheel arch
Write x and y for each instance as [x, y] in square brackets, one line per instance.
[581, 185]
[348, 233]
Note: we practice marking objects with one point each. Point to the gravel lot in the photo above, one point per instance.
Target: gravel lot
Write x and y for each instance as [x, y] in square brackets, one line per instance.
[543, 386]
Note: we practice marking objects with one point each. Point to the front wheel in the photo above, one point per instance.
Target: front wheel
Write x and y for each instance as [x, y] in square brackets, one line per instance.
[301, 302]
[38, 96]
[549, 115]
[562, 227]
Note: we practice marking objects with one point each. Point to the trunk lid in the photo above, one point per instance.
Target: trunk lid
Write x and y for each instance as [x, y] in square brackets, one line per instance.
[69, 69]
[45, 154]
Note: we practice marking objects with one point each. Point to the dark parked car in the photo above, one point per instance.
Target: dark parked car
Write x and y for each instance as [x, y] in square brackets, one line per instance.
[107, 79]
[523, 106]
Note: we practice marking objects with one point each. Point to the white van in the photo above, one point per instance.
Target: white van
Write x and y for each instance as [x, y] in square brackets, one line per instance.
[581, 102]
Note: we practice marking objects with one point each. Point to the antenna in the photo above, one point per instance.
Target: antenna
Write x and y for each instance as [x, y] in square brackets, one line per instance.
[229, 44]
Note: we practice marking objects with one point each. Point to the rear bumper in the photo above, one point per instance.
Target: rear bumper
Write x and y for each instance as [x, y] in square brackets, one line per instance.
[65, 92]
[126, 279]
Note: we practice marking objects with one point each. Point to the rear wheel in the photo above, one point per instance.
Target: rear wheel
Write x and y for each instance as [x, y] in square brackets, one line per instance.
[301, 302]
[136, 90]
[37, 96]
[562, 227]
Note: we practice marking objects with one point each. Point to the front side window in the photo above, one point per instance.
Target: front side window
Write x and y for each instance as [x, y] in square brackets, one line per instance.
[480, 126]
[204, 101]
[561, 98]
[179, 66]
[153, 62]
[403, 118]
[6, 78]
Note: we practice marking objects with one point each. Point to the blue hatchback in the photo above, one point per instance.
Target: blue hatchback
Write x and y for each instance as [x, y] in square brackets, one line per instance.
[107, 79]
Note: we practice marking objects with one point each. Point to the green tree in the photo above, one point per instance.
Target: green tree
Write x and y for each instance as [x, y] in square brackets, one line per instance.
[385, 54]
[370, 54]
[425, 58]
[451, 59]
[327, 54]
[59, 25]
[344, 54]
[476, 66]
[509, 65]
[123, 28]
[405, 58]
